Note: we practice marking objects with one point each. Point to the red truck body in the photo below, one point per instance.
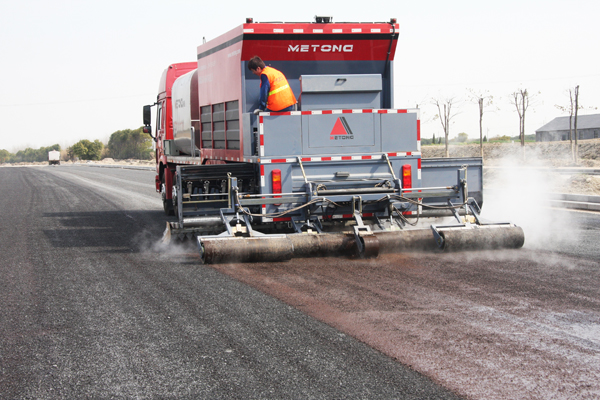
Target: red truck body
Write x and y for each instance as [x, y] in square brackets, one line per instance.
[223, 80]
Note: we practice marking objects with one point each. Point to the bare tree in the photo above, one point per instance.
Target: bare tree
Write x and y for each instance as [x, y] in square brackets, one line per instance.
[520, 99]
[572, 108]
[445, 115]
[483, 100]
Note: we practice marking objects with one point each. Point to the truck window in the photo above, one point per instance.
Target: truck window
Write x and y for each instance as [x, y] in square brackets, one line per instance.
[159, 118]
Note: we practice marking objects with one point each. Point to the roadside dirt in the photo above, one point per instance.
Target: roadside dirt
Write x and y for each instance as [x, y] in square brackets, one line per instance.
[536, 163]
[549, 154]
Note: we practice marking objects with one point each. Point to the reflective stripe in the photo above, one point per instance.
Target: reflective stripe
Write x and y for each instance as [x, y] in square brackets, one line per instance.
[279, 89]
[280, 95]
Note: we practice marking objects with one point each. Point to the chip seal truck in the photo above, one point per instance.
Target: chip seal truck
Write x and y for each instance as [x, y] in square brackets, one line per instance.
[342, 175]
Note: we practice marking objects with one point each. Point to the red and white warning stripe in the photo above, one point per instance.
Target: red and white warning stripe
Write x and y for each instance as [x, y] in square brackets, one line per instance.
[338, 158]
[331, 112]
[352, 111]
[296, 28]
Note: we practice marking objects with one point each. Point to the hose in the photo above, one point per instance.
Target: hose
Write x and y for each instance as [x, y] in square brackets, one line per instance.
[321, 200]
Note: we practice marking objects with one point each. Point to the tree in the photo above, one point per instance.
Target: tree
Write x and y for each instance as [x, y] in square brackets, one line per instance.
[70, 154]
[95, 150]
[445, 115]
[4, 156]
[462, 137]
[572, 109]
[79, 149]
[86, 150]
[129, 143]
[520, 99]
[483, 100]
[33, 155]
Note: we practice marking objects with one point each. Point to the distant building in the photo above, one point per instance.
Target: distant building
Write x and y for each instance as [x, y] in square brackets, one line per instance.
[588, 127]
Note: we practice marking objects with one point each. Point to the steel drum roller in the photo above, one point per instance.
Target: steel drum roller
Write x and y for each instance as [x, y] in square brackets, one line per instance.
[509, 237]
[268, 249]
[244, 249]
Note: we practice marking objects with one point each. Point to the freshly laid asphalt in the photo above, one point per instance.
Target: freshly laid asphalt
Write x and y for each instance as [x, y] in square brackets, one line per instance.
[90, 309]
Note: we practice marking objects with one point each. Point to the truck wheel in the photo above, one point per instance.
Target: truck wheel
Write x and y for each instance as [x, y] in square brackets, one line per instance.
[167, 203]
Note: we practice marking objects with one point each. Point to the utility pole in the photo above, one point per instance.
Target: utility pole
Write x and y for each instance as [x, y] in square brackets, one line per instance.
[575, 127]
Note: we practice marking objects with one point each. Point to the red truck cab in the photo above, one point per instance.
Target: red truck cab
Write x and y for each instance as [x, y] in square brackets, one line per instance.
[164, 124]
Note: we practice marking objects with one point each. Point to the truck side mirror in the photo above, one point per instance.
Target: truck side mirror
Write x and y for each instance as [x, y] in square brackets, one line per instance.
[147, 115]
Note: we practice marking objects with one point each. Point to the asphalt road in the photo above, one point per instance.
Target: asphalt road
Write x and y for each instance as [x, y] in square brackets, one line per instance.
[89, 308]
[512, 324]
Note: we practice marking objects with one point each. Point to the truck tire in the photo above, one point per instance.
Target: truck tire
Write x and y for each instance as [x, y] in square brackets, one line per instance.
[167, 203]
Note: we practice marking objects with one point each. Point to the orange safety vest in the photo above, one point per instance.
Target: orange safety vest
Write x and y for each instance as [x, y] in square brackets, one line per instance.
[280, 94]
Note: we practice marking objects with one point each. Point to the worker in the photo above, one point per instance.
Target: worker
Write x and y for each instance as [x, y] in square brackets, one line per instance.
[275, 92]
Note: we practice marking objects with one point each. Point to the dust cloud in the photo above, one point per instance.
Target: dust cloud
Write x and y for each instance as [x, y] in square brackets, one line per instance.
[149, 243]
[519, 190]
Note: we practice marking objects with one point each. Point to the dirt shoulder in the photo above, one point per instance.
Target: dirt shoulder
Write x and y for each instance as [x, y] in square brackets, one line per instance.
[551, 154]
[548, 162]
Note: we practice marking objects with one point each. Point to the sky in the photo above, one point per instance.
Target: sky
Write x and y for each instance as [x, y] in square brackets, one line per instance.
[72, 70]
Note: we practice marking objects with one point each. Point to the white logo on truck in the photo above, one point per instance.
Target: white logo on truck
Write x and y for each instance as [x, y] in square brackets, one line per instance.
[323, 48]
